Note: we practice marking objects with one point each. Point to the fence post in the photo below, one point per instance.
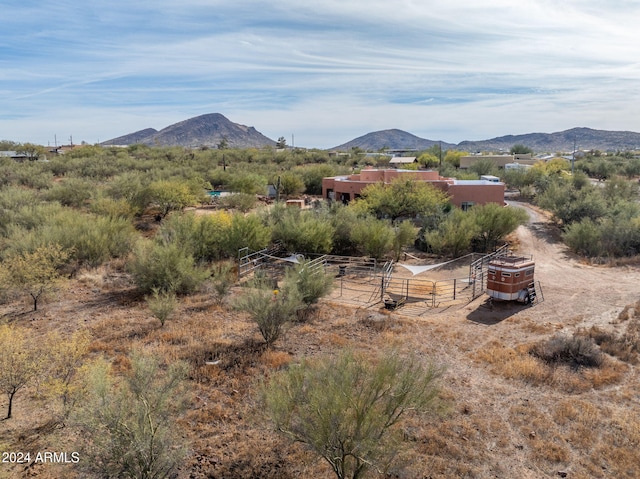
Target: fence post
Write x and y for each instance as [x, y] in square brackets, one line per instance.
[454, 288]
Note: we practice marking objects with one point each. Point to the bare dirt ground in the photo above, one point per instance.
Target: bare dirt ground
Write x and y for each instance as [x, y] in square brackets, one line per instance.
[506, 414]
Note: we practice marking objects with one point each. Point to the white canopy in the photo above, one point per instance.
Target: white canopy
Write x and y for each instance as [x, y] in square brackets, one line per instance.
[417, 269]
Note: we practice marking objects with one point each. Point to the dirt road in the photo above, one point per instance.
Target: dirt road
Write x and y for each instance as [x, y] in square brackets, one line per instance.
[574, 291]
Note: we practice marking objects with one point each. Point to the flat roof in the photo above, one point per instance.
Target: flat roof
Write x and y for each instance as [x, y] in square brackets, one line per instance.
[519, 261]
[476, 182]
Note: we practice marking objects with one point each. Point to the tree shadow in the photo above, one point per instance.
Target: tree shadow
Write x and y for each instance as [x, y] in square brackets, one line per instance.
[493, 312]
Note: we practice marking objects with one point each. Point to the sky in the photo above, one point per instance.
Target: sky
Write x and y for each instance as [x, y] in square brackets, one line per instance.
[318, 73]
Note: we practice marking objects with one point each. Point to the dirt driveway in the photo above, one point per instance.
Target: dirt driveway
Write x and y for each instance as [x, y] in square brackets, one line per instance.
[574, 290]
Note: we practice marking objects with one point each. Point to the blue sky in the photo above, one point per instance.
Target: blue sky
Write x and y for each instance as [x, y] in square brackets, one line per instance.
[325, 72]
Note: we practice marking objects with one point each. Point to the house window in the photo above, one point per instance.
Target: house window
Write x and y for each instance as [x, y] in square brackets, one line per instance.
[506, 275]
[492, 271]
[516, 274]
[529, 272]
[466, 205]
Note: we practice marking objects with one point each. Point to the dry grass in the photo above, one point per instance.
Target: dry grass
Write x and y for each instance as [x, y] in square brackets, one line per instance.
[509, 413]
[519, 363]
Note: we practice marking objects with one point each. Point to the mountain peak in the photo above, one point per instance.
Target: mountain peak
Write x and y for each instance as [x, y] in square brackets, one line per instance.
[204, 130]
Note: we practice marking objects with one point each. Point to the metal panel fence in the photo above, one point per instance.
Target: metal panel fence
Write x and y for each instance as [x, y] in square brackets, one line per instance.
[364, 282]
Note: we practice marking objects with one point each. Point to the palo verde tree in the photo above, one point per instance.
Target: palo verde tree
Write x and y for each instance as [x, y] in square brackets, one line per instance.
[403, 198]
[19, 362]
[271, 309]
[346, 409]
[37, 272]
[310, 280]
[128, 423]
[494, 222]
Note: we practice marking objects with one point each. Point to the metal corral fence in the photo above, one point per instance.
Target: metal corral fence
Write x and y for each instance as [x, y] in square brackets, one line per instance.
[366, 282]
[274, 259]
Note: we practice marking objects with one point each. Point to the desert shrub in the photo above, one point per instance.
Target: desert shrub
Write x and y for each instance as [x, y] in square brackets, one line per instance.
[270, 309]
[249, 183]
[345, 409]
[494, 222]
[94, 240]
[113, 208]
[312, 176]
[403, 198]
[91, 239]
[569, 204]
[575, 351]
[201, 235]
[373, 237]
[452, 236]
[239, 201]
[342, 218]
[20, 362]
[74, 192]
[166, 268]
[310, 280]
[27, 214]
[129, 186]
[291, 184]
[32, 176]
[36, 273]
[223, 276]
[484, 166]
[128, 425]
[172, 195]
[625, 347]
[244, 231]
[404, 235]
[162, 304]
[303, 231]
[583, 237]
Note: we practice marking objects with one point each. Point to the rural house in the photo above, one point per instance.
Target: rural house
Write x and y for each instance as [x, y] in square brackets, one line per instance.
[463, 193]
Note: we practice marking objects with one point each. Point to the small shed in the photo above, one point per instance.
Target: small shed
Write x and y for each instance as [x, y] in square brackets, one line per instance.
[295, 203]
[511, 278]
[402, 160]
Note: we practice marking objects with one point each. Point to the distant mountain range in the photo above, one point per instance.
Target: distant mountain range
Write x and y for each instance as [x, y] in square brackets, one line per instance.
[213, 128]
[564, 141]
[390, 139]
[205, 130]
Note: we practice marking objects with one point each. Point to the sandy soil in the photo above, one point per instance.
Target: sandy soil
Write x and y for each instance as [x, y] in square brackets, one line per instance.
[495, 423]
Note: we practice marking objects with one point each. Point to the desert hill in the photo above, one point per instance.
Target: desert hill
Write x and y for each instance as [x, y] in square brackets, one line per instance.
[203, 130]
[212, 128]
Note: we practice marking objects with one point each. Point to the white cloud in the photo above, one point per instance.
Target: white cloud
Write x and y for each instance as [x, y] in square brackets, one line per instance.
[445, 69]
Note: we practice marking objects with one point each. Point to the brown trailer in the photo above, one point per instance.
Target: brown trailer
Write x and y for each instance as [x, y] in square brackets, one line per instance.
[510, 278]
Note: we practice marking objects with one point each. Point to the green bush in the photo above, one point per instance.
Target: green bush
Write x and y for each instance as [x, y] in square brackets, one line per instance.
[239, 201]
[74, 192]
[453, 235]
[304, 232]
[162, 304]
[223, 276]
[310, 280]
[373, 237]
[270, 309]
[346, 408]
[583, 237]
[90, 239]
[165, 268]
[127, 426]
[494, 222]
[244, 231]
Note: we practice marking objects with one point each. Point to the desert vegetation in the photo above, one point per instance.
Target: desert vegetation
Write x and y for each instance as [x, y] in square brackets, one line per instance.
[125, 337]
